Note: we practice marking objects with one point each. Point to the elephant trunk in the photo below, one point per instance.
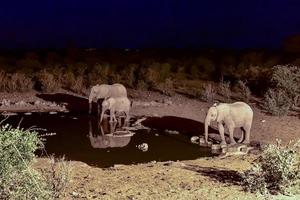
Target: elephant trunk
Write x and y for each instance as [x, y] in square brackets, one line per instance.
[206, 124]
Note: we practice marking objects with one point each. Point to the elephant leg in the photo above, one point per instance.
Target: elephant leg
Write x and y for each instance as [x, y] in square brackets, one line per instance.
[127, 117]
[101, 118]
[98, 108]
[231, 131]
[247, 128]
[242, 135]
[112, 116]
[221, 131]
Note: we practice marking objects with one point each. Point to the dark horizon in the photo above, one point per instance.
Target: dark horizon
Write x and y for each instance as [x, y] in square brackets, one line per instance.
[134, 24]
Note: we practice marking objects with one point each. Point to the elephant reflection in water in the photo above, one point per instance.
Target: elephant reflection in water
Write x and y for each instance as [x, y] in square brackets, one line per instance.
[107, 137]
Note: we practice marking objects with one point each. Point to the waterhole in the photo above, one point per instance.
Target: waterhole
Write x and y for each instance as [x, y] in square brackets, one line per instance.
[80, 137]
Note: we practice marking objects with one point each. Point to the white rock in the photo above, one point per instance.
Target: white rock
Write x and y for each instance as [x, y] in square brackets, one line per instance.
[194, 139]
[143, 147]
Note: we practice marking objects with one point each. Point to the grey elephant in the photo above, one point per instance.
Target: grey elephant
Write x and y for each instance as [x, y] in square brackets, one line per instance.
[105, 91]
[119, 104]
[234, 115]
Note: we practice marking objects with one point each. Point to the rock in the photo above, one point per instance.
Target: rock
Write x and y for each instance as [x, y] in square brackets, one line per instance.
[75, 194]
[263, 121]
[143, 147]
[195, 139]
[172, 132]
[37, 102]
[168, 102]
[5, 102]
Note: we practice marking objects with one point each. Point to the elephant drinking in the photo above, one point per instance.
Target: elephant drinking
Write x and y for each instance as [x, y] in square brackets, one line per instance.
[105, 91]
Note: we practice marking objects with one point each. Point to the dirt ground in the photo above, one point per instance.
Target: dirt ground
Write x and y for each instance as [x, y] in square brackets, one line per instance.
[203, 178]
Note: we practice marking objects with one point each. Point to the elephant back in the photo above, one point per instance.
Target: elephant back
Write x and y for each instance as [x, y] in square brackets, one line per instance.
[118, 90]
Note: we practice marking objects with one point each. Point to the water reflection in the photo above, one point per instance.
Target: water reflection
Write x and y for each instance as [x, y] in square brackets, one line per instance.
[108, 135]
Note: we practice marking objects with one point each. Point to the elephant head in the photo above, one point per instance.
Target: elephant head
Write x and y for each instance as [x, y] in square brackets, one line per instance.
[212, 114]
[108, 104]
[98, 92]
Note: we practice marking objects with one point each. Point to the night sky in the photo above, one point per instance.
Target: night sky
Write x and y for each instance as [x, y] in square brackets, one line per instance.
[148, 23]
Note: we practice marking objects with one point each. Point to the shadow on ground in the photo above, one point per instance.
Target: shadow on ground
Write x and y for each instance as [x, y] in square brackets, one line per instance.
[73, 103]
[183, 125]
[222, 175]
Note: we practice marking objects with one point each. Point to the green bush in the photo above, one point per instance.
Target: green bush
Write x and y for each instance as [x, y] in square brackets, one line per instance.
[18, 179]
[277, 170]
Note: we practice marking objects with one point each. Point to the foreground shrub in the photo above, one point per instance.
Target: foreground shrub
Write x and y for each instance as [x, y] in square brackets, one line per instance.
[18, 179]
[58, 176]
[277, 170]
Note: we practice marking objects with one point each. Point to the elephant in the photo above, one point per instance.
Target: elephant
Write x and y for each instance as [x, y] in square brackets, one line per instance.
[105, 91]
[233, 115]
[118, 104]
[103, 140]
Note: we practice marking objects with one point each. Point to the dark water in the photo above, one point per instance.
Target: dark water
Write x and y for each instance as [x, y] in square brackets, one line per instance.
[79, 137]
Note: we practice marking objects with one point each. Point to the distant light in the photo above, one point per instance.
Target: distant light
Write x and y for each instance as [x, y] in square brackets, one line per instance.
[126, 49]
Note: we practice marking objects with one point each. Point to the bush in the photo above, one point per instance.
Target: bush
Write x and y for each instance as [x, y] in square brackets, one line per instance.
[224, 90]
[47, 81]
[277, 102]
[58, 176]
[18, 179]
[16, 82]
[277, 170]
[287, 78]
[209, 93]
[244, 91]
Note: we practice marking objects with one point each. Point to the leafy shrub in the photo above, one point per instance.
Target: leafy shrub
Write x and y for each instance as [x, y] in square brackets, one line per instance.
[276, 170]
[285, 91]
[16, 82]
[209, 93]
[75, 84]
[18, 179]
[167, 87]
[224, 90]
[47, 81]
[99, 74]
[142, 85]
[277, 102]
[244, 91]
[58, 176]
[287, 78]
